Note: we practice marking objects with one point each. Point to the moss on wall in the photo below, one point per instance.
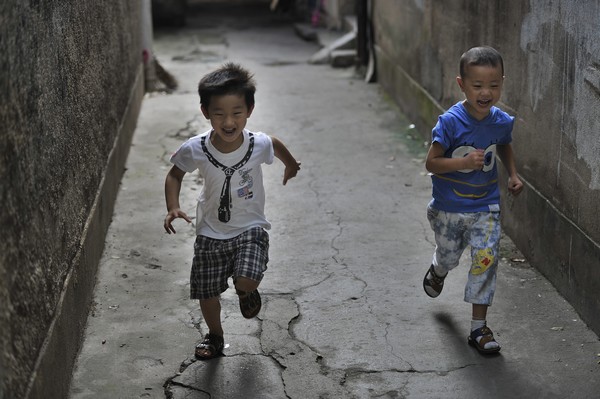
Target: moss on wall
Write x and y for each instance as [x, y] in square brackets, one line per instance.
[68, 72]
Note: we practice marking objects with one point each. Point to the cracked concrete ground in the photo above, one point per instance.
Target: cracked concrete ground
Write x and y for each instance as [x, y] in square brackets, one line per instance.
[344, 313]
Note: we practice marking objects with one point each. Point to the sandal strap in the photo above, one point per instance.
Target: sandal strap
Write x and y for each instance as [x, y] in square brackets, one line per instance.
[211, 342]
[485, 339]
[485, 333]
[437, 279]
[213, 337]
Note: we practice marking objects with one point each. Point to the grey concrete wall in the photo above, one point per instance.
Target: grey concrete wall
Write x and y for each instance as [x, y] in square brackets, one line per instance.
[70, 87]
[336, 10]
[552, 67]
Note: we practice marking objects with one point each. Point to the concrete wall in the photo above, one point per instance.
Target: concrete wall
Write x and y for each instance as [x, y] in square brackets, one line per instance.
[552, 67]
[336, 10]
[70, 88]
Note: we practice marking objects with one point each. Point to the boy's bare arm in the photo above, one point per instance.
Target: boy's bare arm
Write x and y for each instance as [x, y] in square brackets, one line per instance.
[437, 163]
[282, 153]
[172, 189]
[506, 155]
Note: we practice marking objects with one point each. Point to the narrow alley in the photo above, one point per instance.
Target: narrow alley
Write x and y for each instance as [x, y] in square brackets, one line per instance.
[344, 313]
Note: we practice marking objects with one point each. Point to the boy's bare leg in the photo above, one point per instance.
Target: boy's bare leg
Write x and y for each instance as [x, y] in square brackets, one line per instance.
[479, 312]
[211, 311]
[478, 321]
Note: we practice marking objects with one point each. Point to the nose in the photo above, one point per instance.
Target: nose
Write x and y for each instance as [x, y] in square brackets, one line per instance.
[229, 121]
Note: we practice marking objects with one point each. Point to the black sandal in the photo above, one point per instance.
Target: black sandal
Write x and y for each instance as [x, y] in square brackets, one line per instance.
[250, 303]
[212, 343]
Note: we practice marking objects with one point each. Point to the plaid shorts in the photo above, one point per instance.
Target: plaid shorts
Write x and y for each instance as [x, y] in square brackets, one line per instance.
[216, 260]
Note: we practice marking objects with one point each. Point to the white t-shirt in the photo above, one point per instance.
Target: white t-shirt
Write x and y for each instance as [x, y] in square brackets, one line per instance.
[247, 190]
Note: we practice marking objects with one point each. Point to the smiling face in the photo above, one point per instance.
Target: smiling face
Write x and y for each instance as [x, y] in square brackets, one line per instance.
[228, 115]
[482, 85]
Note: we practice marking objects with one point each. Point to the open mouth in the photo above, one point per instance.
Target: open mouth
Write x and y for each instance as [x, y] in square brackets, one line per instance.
[484, 103]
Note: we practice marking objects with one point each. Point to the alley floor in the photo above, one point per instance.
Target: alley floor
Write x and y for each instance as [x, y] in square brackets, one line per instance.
[344, 313]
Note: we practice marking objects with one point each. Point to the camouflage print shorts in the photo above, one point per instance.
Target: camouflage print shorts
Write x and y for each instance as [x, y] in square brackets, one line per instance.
[453, 233]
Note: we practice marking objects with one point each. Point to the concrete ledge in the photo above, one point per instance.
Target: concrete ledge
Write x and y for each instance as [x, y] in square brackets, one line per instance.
[306, 32]
[323, 56]
[343, 58]
[349, 23]
[53, 369]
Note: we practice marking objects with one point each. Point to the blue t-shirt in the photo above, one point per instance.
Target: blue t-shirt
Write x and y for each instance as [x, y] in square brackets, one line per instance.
[459, 133]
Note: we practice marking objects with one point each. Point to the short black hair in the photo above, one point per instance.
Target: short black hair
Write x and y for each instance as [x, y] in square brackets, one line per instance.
[230, 78]
[484, 55]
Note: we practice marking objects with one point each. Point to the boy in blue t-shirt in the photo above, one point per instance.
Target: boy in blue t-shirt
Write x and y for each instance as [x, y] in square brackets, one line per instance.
[465, 209]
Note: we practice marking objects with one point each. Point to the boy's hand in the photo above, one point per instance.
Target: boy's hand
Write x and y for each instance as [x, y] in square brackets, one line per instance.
[283, 154]
[515, 185]
[290, 171]
[475, 160]
[172, 215]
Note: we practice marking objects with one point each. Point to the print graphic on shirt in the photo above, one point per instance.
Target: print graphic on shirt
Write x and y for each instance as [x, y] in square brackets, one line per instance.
[489, 156]
[225, 204]
[246, 183]
[488, 166]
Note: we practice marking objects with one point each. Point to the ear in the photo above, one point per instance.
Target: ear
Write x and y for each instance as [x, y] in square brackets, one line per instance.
[204, 111]
[460, 83]
[250, 110]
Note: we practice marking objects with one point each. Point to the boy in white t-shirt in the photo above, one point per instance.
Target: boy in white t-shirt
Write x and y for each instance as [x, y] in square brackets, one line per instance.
[231, 230]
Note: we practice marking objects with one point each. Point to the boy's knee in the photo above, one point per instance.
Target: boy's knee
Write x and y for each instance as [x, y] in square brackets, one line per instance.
[245, 284]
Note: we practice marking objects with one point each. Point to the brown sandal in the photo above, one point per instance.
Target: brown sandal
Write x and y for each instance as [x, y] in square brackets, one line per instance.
[211, 343]
[250, 303]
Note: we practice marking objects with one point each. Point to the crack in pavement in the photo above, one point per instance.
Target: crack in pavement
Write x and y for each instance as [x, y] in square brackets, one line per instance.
[279, 342]
[358, 371]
